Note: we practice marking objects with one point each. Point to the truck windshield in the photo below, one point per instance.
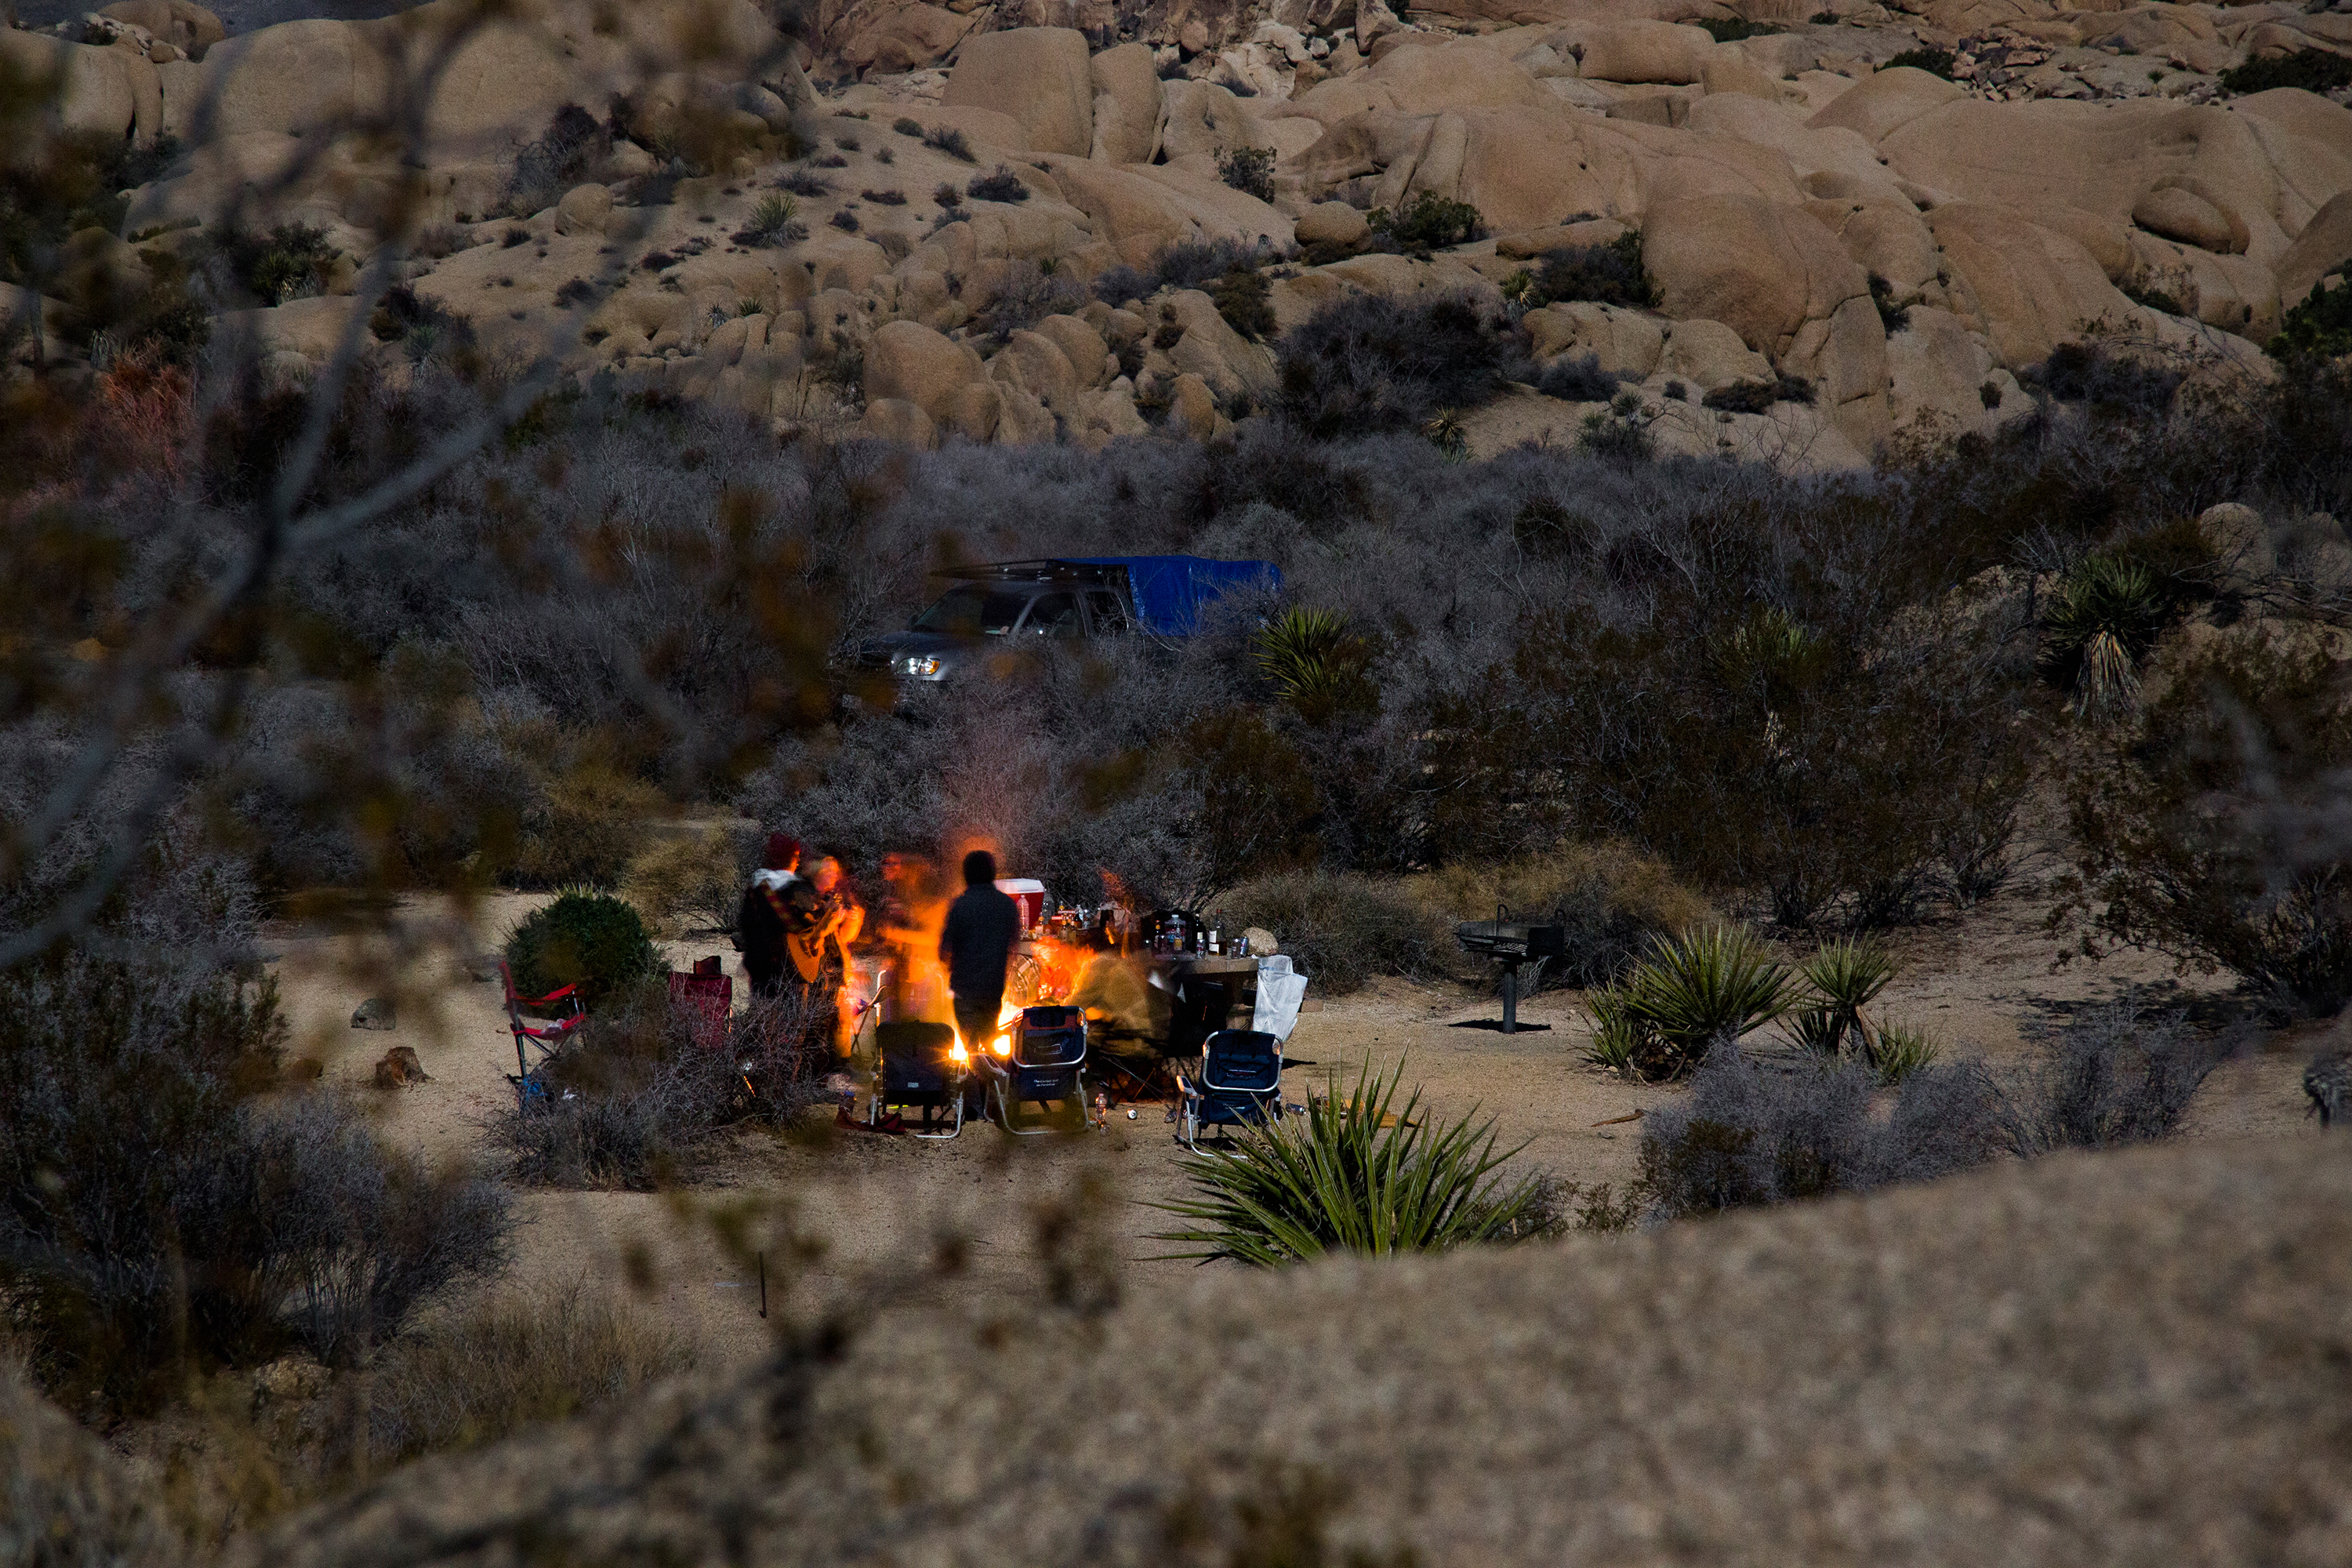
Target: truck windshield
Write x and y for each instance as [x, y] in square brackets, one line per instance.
[971, 610]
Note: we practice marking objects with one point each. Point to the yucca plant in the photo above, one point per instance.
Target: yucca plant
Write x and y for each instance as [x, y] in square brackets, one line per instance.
[1315, 662]
[1690, 992]
[773, 223]
[1846, 976]
[1357, 1174]
[1898, 1050]
[2104, 614]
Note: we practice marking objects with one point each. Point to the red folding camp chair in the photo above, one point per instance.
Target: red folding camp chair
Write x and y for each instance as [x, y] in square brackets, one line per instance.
[561, 1013]
[707, 997]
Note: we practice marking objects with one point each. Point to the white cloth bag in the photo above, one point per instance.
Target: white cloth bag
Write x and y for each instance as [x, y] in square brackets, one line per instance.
[1280, 993]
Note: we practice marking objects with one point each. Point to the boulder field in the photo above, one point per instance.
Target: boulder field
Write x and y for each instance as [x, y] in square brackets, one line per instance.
[808, 229]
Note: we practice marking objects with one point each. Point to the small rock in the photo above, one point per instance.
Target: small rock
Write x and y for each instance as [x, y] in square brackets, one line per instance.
[375, 1013]
[400, 1068]
[1261, 942]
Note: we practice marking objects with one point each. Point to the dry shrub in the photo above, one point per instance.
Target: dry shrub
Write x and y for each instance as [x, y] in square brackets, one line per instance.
[1614, 898]
[511, 1361]
[689, 882]
[1340, 928]
[588, 828]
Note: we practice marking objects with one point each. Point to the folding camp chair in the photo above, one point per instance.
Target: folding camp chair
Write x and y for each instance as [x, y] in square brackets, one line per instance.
[707, 997]
[919, 1065]
[1240, 1085]
[1043, 1059]
[564, 1014]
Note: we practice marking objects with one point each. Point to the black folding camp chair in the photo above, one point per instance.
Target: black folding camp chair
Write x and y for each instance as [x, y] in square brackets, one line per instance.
[1044, 1059]
[919, 1066]
[1239, 1085]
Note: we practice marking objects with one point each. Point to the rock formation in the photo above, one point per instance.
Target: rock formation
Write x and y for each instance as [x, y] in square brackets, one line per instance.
[1899, 243]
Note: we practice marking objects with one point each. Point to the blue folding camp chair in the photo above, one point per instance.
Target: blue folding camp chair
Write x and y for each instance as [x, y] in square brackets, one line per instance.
[1043, 1058]
[1239, 1085]
[919, 1066]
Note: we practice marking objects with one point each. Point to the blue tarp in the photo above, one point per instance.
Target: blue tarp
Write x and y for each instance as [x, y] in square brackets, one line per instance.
[1170, 589]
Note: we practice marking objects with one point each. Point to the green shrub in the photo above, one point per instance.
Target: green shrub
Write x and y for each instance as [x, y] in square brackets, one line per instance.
[772, 224]
[1245, 299]
[1342, 930]
[1934, 62]
[584, 939]
[1362, 1175]
[906, 125]
[1898, 1050]
[2313, 70]
[2321, 325]
[291, 260]
[1732, 29]
[1249, 169]
[1427, 222]
[2103, 616]
[1316, 664]
[1691, 995]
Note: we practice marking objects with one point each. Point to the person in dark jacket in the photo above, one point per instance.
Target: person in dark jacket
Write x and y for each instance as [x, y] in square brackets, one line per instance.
[776, 904]
[976, 946]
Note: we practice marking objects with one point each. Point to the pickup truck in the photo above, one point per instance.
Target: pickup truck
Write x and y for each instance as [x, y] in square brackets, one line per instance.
[1064, 598]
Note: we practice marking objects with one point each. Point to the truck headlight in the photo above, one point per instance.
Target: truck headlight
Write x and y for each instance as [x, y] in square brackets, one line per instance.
[921, 666]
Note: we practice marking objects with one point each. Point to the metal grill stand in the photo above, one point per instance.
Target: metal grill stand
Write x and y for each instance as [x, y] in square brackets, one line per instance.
[1510, 941]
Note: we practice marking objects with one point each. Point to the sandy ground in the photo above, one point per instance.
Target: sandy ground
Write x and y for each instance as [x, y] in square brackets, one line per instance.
[853, 1216]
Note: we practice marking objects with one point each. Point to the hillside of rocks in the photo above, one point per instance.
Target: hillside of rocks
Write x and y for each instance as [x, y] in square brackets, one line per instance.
[908, 220]
[2122, 1358]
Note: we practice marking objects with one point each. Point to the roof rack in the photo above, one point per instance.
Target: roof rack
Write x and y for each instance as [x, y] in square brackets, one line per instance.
[1047, 571]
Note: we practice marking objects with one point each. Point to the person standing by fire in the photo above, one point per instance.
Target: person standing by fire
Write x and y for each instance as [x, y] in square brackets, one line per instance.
[772, 911]
[837, 918]
[976, 945]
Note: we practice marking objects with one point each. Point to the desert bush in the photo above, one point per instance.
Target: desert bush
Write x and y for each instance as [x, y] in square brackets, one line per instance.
[1758, 397]
[1579, 380]
[158, 1219]
[2113, 1075]
[2321, 325]
[573, 144]
[2313, 70]
[1004, 185]
[510, 1361]
[949, 140]
[1363, 1176]
[582, 938]
[1188, 264]
[907, 125]
[886, 198]
[1244, 299]
[636, 1099]
[1614, 900]
[1934, 62]
[845, 220]
[1688, 997]
[1342, 930]
[2202, 821]
[587, 825]
[1898, 1049]
[1609, 274]
[1732, 29]
[691, 882]
[1367, 362]
[2110, 381]
[1892, 318]
[1753, 1132]
[1427, 222]
[1249, 169]
[802, 181]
